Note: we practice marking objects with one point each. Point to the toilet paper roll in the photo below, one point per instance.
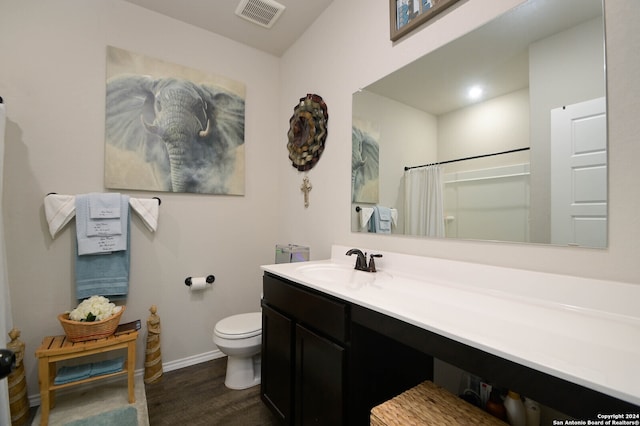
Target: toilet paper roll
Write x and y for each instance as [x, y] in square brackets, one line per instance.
[198, 283]
[533, 412]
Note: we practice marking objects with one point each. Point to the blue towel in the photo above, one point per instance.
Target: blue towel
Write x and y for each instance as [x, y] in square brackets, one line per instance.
[72, 373]
[107, 366]
[105, 274]
[380, 221]
[103, 241]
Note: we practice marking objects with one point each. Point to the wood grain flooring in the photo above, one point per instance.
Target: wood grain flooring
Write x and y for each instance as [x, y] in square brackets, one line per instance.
[196, 395]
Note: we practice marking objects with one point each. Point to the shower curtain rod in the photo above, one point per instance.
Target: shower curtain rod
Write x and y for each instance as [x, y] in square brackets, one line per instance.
[468, 158]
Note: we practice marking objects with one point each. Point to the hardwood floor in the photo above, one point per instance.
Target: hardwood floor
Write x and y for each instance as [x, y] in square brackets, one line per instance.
[196, 395]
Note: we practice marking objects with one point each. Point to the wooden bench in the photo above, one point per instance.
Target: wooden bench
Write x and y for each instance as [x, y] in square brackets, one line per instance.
[429, 404]
[58, 348]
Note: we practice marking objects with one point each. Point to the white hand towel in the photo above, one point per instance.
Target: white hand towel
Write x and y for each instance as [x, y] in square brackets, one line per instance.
[104, 214]
[103, 227]
[394, 217]
[104, 205]
[147, 209]
[365, 215]
[59, 210]
[100, 244]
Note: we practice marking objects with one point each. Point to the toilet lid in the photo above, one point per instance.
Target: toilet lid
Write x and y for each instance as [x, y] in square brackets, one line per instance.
[240, 326]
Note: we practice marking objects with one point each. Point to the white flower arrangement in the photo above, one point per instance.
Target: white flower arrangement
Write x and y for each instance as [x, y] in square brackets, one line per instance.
[95, 308]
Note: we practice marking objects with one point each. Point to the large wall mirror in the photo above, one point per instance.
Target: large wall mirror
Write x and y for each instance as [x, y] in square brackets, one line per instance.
[499, 135]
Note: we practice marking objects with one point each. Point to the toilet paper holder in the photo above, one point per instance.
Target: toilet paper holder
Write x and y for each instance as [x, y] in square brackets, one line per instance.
[210, 279]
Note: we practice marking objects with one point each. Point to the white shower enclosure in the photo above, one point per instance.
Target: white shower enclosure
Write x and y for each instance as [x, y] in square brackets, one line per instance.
[488, 204]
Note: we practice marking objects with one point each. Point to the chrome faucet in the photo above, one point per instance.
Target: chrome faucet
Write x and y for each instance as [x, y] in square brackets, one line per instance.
[361, 261]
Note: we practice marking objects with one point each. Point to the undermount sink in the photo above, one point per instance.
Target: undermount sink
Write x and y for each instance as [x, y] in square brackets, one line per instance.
[342, 274]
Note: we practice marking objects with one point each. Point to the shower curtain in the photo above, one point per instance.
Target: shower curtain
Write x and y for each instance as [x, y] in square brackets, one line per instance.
[5, 306]
[423, 201]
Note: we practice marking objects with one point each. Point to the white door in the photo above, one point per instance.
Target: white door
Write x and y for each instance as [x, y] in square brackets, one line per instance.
[579, 174]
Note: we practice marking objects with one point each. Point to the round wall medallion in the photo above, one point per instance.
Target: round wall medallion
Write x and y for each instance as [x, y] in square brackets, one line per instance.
[307, 132]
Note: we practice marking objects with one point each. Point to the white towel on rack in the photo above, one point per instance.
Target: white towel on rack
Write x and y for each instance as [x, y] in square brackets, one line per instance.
[394, 217]
[104, 205]
[100, 244]
[148, 210]
[103, 218]
[365, 215]
[59, 210]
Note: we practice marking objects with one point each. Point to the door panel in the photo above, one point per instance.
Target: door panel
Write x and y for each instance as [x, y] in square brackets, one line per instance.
[277, 364]
[579, 174]
[320, 364]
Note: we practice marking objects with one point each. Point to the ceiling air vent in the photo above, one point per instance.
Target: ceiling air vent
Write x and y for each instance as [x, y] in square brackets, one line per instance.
[262, 12]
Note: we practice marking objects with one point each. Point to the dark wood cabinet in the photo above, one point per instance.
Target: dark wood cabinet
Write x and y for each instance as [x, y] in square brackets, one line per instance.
[304, 356]
[319, 372]
[326, 361]
[277, 374]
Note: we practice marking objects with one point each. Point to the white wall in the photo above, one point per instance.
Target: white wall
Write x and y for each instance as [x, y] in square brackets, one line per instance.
[495, 125]
[558, 79]
[407, 137]
[52, 79]
[347, 49]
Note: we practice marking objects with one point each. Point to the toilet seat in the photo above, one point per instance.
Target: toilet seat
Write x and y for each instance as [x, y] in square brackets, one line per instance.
[240, 326]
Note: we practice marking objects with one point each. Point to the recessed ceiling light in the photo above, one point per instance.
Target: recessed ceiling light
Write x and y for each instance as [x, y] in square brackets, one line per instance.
[475, 93]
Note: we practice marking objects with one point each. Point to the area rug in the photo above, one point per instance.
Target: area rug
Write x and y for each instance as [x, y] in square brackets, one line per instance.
[123, 416]
[99, 402]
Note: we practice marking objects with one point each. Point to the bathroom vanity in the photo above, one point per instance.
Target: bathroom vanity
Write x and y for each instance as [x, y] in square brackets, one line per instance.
[337, 342]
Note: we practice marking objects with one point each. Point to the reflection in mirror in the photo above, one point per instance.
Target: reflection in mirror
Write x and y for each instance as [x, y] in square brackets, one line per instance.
[508, 126]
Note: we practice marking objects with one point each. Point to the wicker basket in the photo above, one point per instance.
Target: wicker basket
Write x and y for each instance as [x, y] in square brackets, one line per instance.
[429, 404]
[80, 331]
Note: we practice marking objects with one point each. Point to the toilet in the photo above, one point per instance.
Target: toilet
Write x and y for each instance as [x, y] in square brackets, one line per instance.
[240, 338]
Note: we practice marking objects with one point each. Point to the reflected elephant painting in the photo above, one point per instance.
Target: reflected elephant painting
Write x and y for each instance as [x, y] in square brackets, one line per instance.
[364, 164]
[171, 128]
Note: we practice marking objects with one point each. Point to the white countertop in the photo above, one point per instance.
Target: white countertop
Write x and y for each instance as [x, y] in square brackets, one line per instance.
[582, 330]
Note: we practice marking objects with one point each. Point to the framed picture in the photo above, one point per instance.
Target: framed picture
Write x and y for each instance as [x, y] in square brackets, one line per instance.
[365, 163]
[172, 128]
[407, 15]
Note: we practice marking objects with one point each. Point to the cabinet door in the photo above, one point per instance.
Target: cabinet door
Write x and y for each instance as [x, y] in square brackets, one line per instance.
[277, 363]
[320, 366]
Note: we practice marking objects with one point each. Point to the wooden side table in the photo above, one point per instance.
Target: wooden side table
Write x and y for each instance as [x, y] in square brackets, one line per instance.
[58, 348]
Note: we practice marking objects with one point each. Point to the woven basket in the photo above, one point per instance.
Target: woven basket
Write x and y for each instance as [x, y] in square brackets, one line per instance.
[429, 404]
[80, 331]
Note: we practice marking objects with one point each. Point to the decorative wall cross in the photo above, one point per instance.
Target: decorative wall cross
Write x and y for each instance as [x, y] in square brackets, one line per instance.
[306, 187]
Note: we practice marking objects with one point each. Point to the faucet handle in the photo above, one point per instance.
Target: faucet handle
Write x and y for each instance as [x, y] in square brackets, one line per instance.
[372, 263]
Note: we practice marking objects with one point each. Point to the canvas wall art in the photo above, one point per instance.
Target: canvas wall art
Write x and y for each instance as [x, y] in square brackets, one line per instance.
[365, 153]
[172, 128]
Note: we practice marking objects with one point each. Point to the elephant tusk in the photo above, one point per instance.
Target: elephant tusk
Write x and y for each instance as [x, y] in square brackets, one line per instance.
[206, 132]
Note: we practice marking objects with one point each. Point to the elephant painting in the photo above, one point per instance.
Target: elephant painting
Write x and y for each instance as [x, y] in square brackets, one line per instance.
[364, 166]
[171, 134]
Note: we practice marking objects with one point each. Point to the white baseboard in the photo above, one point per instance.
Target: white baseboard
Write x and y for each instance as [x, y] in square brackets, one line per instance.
[34, 400]
[191, 360]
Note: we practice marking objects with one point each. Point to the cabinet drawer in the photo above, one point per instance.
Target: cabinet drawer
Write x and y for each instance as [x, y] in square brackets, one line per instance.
[319, 312]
